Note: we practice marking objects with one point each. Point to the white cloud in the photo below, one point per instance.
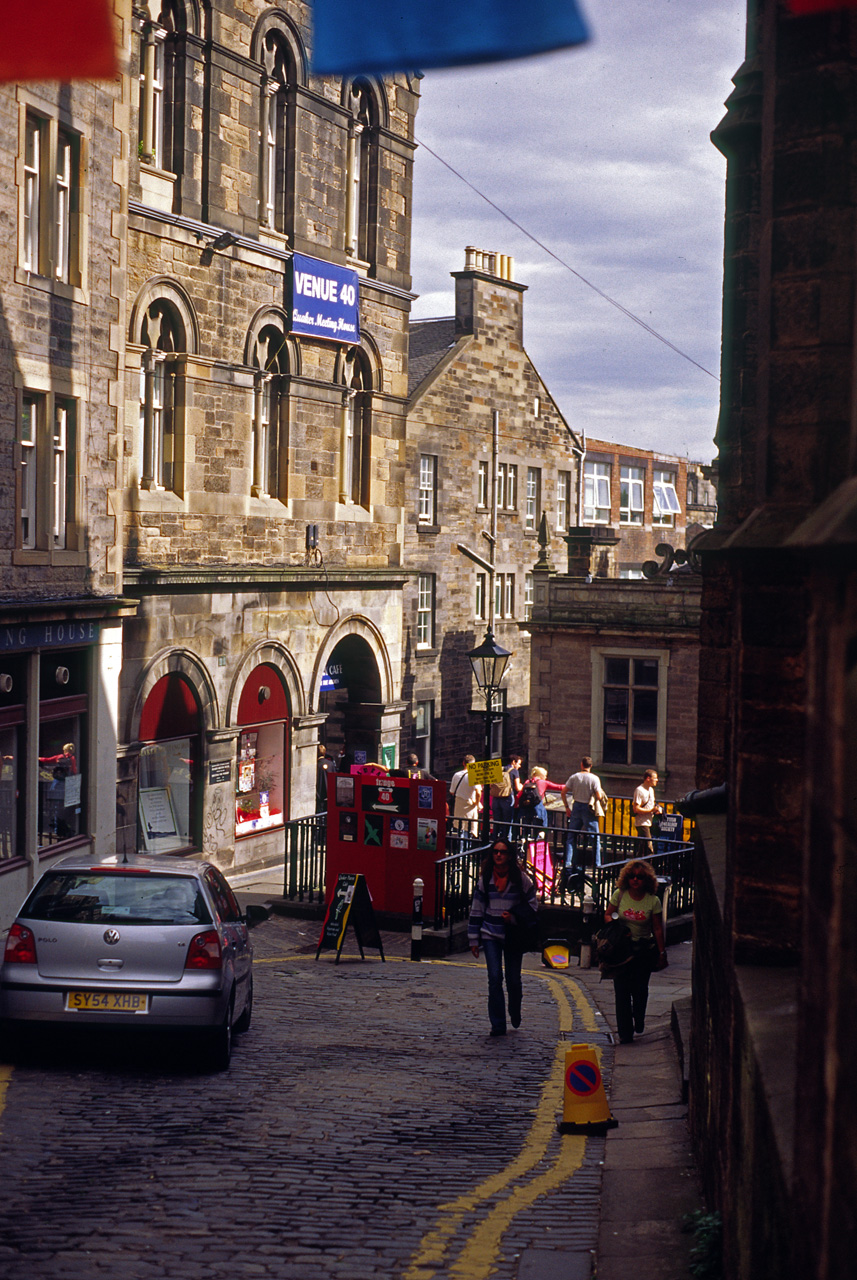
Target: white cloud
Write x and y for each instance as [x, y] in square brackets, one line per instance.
[603, 153]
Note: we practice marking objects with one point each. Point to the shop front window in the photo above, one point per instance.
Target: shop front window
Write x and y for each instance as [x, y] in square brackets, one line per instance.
[166, 795]
[60, 781]
[168, 768]
[263, 714]
[9, 766]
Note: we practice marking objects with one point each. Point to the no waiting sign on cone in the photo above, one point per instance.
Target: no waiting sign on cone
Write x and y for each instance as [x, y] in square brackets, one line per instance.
[584, 1103]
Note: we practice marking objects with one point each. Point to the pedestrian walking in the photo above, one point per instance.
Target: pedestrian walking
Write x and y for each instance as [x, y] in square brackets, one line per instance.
[466, 798]
[504, 895]
[581, 788]
[636, 903]
[645, 807]
[530, 801]
[414, 768]
[502, 805]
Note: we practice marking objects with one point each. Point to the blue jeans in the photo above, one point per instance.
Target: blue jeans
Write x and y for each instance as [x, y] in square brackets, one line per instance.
[495, 955]
[583, 819]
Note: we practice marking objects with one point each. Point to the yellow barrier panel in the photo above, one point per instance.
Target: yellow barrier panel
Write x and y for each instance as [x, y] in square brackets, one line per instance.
[584, 1102]
[555, 955]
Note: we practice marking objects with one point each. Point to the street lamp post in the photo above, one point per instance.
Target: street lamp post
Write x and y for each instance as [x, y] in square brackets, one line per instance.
[488, 660]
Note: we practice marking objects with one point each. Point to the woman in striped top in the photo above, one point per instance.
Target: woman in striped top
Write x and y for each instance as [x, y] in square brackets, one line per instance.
[501, 887]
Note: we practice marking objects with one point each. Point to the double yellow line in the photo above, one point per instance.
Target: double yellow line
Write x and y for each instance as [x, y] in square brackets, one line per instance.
[477, 1258]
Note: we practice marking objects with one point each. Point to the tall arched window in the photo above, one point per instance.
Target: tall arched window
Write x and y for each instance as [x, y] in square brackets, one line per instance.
[274, 131]
[360, 195]
[269, 414]
[356, 430]
[163, 337]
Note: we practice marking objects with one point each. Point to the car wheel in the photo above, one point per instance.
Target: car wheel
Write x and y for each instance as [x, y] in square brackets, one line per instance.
[243, 1023]
[221, 1041]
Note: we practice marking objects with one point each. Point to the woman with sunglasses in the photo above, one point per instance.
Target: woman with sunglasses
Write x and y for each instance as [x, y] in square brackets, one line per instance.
[636, 903]
[502, 894]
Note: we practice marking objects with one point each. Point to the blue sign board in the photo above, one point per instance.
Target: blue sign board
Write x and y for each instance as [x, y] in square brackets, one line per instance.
[46, 635]
[332, 677]
[325, 300]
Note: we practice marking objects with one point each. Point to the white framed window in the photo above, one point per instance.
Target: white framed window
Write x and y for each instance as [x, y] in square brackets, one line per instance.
[631, 494]
[270, 364]
[425, 611]
[31, 249]
[504, 595]
[528, 595]
[48, 467]
[563, 491]
[596, 492]
[498, 723]
[50, 200]
[274, 131]
[480, 607]
[482, 485]
[665, 502]
[507, 486]
[360, 175]
[537, 406]
[532, 510]
[631, 575]
[427, 496]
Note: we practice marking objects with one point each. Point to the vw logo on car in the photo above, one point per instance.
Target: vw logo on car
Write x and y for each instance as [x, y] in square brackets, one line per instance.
[111, 937]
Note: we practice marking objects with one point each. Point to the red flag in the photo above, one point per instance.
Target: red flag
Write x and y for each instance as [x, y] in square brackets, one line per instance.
[58, 40]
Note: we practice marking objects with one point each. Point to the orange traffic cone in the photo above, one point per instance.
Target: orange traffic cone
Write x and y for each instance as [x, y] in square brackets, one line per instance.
[584, 1103]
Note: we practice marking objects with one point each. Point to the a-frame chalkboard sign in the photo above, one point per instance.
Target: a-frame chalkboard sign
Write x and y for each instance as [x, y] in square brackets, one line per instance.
[350, 904]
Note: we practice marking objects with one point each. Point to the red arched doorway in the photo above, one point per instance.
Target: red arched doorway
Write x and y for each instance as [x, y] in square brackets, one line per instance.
[168, 776]
[261, 786]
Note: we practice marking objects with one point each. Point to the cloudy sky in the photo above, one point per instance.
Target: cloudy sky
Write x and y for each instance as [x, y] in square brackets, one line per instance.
[602, 153]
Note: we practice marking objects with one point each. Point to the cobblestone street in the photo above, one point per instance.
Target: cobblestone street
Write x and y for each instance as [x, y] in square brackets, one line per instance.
[368, 1127]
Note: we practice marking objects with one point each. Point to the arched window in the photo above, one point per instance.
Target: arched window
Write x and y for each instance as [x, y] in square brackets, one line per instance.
[163, 336]
[161, 72]
[269, 414]
[274, 131]
[361, 208]
[263, 714]
[356, 430]
[169, 763]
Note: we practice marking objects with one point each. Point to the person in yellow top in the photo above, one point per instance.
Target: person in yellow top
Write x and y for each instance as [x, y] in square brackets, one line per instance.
[636, 903]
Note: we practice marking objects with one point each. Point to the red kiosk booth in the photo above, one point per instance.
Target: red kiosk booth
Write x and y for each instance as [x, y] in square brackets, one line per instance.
[391, 830]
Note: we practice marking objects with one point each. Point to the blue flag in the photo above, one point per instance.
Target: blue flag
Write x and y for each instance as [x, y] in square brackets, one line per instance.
[360, 36]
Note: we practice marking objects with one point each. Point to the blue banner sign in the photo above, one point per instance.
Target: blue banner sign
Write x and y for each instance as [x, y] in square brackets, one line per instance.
[46, 635]
[332, 678]
[325, 300]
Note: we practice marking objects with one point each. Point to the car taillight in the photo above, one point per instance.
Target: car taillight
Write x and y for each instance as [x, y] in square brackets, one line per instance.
[20, 946]
[204, 951]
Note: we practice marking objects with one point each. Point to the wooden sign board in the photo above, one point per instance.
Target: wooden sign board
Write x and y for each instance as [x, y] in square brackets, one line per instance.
[484, 771]
[350, 903]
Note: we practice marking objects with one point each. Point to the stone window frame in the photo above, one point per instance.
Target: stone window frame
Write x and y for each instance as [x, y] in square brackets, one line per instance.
[664, 478]
[365, 101]
[427, 489]
[563, 499]
[53, 257]
[599, 655]
[533, 499]
[164, 26]
[358, 375]
[163, 296]
[36, 476]
[425, 603]
[274, 357]
[482, 484]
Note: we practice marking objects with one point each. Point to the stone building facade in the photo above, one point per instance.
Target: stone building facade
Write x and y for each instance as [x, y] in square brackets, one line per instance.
[774, 1080]
[64, 159]
[263, 483]
[464, 370]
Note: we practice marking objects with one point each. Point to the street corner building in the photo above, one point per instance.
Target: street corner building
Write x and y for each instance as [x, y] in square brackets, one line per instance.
[206, 303]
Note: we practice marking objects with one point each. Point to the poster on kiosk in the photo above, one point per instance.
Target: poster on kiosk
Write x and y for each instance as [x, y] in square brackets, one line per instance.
[390, 830]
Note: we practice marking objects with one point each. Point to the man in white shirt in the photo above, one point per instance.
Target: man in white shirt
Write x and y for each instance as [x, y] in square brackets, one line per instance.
[582, 787]
[645, 807]
[465, 797]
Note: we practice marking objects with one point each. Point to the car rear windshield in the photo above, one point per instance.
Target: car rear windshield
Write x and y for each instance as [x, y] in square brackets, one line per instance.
[94, 897]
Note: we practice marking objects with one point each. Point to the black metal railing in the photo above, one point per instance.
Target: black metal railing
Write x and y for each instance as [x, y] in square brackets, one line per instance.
[305, 858]
[544, 851]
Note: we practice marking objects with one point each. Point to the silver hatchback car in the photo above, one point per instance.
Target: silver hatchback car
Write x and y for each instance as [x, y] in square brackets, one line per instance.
[148, 942]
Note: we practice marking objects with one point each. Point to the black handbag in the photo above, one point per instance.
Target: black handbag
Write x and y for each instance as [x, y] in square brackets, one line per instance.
[522, 932]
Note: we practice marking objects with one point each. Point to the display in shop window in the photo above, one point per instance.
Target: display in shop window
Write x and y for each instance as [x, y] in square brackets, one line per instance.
[259, 793]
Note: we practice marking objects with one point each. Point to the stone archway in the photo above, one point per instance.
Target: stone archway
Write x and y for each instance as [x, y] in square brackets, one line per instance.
[351, 698]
